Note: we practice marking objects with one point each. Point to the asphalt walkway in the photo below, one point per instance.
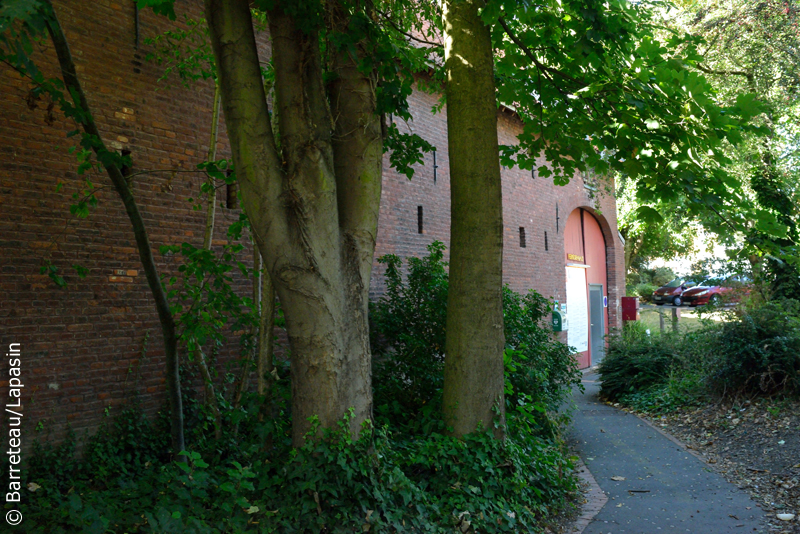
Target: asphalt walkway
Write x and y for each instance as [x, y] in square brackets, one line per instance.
[653, 484]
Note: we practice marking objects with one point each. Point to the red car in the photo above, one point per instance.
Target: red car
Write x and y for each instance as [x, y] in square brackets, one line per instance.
[717, 291]
[672, 293]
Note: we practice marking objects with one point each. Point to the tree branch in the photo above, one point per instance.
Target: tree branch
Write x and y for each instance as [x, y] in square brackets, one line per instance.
[532, 56]
[70, 77]
[408, 35]
[748, 75]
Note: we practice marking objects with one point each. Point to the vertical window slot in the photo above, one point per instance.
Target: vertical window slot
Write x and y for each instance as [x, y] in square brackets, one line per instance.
[435, 166]
[232, 199]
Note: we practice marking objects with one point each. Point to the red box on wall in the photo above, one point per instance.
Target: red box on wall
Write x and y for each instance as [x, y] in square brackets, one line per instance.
[630, 309]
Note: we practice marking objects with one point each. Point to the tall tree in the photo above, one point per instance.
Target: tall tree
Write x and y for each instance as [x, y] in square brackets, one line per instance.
[473, 365]
[596, 89]
[319, 258]
[313, 191]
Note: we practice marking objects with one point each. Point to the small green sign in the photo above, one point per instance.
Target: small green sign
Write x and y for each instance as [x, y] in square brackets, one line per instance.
[558, 321]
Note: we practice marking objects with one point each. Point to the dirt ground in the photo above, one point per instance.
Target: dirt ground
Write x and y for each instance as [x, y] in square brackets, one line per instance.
[754, 444]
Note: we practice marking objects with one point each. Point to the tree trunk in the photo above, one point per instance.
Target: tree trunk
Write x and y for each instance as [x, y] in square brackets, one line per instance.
[358, 160]
[315, 242]
[122, 188]
[630, 248]
[265, 366]
[473, 371]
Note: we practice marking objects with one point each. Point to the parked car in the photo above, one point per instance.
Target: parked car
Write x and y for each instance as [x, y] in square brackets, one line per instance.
[717, 291]
[672, 293]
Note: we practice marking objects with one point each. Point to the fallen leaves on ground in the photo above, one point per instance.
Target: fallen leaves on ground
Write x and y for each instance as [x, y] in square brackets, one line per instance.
[753, 444]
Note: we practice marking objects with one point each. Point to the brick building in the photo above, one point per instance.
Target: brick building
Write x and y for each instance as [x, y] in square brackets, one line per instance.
[96, 342]
[544, 223]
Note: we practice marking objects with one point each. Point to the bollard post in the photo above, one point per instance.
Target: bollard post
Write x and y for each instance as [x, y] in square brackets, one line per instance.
[676, 316]
[661, 320]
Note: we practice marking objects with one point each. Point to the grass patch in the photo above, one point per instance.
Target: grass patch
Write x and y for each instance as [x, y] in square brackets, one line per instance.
[688, 322]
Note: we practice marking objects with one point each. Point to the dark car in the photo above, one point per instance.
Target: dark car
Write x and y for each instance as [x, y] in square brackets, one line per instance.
[717, 291]
[672, 293]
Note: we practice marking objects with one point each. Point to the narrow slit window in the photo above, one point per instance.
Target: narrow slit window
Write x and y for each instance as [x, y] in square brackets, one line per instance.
[522, 243]
[435, 166]
[419, 219]
[545, 240]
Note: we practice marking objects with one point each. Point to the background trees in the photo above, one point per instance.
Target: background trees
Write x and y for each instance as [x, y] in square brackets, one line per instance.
[745, 47]
[671, 237]
[751, 46]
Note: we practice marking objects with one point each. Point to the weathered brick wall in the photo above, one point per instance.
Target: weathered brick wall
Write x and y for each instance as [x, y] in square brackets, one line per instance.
[82, 347]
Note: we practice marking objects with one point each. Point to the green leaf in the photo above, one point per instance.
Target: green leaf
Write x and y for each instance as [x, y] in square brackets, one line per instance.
[160, 7]
[649, 214]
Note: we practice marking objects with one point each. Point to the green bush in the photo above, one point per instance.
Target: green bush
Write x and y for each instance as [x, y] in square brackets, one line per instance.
[377, 483]
[645, 291]
[755, 351]
[661, 276]
[759, 351]
[635, 361]
[408, 336]
[545, 369]
[651, 277]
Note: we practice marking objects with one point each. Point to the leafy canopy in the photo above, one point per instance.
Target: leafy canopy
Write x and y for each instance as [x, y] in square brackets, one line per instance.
[597, 89]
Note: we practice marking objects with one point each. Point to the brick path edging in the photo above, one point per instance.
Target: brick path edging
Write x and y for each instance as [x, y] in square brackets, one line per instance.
[595, 498]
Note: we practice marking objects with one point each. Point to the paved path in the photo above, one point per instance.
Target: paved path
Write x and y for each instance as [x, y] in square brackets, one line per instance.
[665, 488]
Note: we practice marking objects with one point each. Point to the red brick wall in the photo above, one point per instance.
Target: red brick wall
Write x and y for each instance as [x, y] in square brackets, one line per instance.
[82, 346]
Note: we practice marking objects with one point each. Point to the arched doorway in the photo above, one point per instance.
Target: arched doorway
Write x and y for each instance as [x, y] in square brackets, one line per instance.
[587, 286]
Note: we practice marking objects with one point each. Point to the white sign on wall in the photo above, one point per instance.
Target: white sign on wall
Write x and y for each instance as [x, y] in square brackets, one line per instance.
[578, 333]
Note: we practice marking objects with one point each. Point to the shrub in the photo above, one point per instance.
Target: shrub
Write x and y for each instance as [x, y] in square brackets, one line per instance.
[759, 352]
[756, 351]
[408, 337]
[661, 276]
[545, 369]
[377, 483]
[635, 361]
[645, 291]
